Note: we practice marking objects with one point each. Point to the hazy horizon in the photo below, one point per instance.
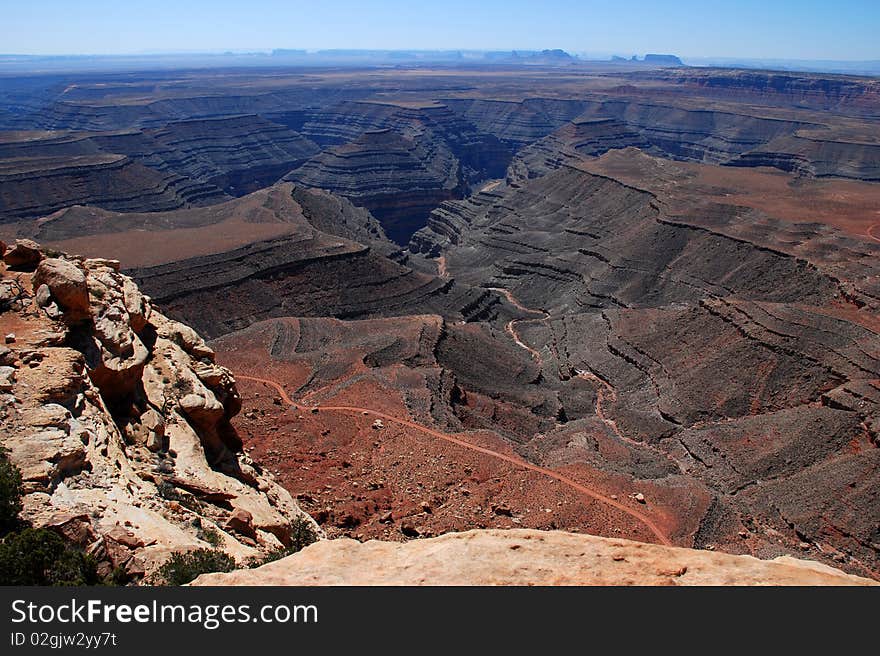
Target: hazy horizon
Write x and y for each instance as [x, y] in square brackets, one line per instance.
[794, 30]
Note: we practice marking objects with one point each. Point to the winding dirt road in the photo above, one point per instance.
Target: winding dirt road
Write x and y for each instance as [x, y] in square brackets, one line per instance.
[518, 462]
[605, 389]
[511, 325]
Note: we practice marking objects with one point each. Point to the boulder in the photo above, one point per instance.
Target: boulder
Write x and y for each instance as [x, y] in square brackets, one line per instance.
[43, 296]
[10, 292]
[204, 412]
[75, 527]
[123, 536]
[25, 255]
[155, 427]
[136, 305]
[7, 379]
[118, 358]
[187, 338]
[241, 521]
[67, 283]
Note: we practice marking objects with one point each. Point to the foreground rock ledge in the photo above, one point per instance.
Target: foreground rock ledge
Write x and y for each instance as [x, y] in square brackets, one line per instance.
[119, 420]
[525, 557]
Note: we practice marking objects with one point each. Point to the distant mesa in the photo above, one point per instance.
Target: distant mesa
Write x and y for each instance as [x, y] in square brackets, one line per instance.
[287, 52]
[666, 60]
[654, 59]
[555, 53]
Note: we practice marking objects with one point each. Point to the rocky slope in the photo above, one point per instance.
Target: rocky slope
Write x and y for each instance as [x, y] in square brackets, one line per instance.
[517, 122]
[817, 154]
[328, 258]
[847, 94]
[399, 180]
[285, 250]
[480, 155]
[118, 419]
[552, 352]
[398, 160]
[238, 154]
[682, 129]
[646, 298]
[524, 557]
[35, 186]
[182, 163]
[575, 141]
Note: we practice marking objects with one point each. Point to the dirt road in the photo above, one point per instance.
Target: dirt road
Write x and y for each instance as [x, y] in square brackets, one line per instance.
[518, 462]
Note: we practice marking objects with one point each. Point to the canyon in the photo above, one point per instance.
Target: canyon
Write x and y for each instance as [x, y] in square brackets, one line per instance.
[641, 305]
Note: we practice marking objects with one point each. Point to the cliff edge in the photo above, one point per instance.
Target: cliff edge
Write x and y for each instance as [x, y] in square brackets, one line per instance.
[525, 557]
[118, 419]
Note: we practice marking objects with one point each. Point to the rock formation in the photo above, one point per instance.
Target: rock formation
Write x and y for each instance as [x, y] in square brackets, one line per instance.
[398, 161]
[847, 94]
[575, 141]
[523, 557]
[286, 250]
[118, 419]
[399, 180]
[653, 308]
[183, 163]
[238, 154]
[36, 186]
[636, 302]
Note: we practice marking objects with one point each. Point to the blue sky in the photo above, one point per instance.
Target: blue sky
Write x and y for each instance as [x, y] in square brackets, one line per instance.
[794, 29]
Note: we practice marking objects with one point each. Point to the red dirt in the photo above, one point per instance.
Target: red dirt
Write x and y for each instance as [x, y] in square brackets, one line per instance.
[517, 462]
[370, 484]
[848, 205]
[145, 248]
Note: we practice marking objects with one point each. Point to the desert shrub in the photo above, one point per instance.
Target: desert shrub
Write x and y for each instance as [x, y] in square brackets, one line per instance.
[167, 490]
[40, 557]
[302, 534]
[10, 493]
[183, 386]
[182, 568]
[171, 493]
[211, 536]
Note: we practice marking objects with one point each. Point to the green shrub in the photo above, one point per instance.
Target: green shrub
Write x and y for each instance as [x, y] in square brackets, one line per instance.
[31, 556]
[10, 493]
[182, 568]
[40, 557]
[302, 534]
[171, 493]
[183, 386]
[211, 536]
